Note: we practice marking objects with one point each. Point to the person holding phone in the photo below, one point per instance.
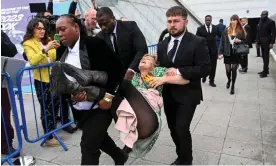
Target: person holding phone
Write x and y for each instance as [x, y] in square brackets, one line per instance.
[41, 50]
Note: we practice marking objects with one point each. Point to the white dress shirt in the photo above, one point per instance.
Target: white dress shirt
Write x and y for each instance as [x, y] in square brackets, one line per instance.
[210, 28]
[112, 41]
[170, 46]
[73, 58]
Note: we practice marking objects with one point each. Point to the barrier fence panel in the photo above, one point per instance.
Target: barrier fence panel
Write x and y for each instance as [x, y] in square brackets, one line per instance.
[46, 103]
[152, 49]
[7, 130]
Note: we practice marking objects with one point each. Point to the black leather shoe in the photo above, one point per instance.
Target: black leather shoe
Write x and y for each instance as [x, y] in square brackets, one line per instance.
[228, 84]
[243, 70]
[203, 79]
[85, 77]
[263, 75]
[69, 129]
[176, 162]
[232, 91]
[212, 84]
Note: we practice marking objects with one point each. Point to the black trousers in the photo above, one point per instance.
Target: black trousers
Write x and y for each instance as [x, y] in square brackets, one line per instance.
[179, 117]
[95, 137]
[64, 112]
[265, 54]
[258, 50]
[214, 59]
[45, 101]
[244, 62]
[6, 113]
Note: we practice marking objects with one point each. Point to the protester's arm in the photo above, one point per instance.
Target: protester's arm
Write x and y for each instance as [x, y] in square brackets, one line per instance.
[73, 7]
[50, 7]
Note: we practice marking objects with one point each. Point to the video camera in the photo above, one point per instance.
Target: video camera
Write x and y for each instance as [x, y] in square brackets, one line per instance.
[49, 20]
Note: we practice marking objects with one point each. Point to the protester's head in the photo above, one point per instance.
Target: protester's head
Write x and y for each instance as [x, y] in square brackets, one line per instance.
[244, 21]
[235, 25]
[106, 19]
[90, 19]
[148, 62]
[177, 20]
[68, 29]
[123, 19]
[36, 29]
[208, 20]
[221, 21]
[264, 15]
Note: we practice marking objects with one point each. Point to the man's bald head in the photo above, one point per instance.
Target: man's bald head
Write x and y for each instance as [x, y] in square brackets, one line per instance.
[90, 19]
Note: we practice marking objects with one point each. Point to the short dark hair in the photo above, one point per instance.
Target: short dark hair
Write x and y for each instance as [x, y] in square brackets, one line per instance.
[221, 20]
[208, 16]
[177, 11]
[105, 11]
[72, 18]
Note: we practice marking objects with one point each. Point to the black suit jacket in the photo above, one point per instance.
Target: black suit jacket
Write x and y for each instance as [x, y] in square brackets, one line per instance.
[210, 38]
[130, 41]
[248, 39]
[266, 32]
[95, 54]
[8, 48]
[193, 62]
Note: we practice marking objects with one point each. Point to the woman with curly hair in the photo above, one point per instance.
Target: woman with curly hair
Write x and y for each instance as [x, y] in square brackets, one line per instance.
[40, 50]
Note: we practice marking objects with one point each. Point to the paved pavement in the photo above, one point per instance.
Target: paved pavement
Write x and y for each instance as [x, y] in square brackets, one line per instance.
[226, 129]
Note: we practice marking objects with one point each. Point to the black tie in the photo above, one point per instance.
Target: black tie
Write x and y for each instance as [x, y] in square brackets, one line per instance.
[115, 43]
[208, 26]
[173, 50]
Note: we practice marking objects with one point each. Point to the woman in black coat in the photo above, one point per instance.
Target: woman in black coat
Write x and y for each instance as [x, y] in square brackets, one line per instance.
[235, 33]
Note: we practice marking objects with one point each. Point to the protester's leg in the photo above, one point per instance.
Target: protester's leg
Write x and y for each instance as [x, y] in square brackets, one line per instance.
[146, 117]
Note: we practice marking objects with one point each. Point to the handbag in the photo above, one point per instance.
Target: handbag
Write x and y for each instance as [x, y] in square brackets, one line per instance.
[241, 49]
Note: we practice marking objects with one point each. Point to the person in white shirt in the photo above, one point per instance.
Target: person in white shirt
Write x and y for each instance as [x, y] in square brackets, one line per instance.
[90, 53]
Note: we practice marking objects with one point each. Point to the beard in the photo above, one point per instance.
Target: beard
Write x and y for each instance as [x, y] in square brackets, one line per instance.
[175, 33]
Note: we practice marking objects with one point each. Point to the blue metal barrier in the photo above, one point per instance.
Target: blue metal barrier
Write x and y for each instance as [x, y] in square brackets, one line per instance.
[47, 134]
[16, 123]
[152, 49]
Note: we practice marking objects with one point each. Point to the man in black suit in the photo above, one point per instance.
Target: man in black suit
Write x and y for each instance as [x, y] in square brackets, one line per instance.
[266, 39]
[91, 53]
[124, 37]
[187, 55]
[248, 41]
[209, 32]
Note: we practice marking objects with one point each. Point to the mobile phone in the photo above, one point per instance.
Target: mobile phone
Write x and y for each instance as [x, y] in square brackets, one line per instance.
[56, 38]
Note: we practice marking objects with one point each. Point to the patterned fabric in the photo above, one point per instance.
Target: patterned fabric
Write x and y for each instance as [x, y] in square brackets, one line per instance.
[157, 72]
[47, 99]
[143, 146]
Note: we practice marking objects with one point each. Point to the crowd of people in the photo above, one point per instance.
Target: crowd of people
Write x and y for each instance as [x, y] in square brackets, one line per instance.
[102, 70]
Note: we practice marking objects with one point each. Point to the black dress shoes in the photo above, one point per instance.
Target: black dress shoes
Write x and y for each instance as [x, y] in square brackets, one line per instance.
[178, 162]
[69, 129]
[212, 84]
[263, 75]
